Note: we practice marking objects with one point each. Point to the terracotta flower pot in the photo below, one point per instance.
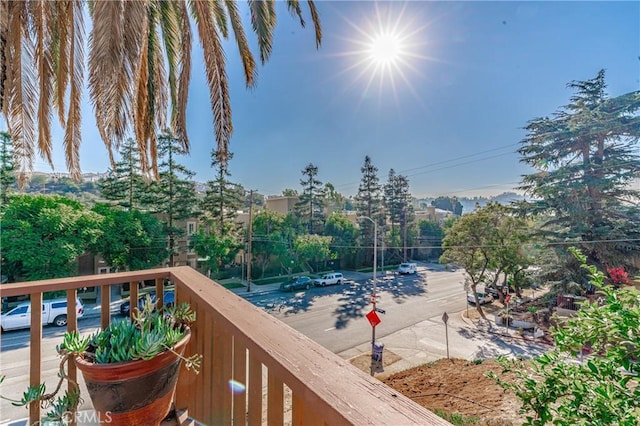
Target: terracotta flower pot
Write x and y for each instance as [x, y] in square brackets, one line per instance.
[134, 392]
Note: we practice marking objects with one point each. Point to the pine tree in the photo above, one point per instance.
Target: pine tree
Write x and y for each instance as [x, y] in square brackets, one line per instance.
[310, 206]
[221, 239]
[397, 199]
[369, 203]
[7, 175]
[125, 183]
[585, 164]
[173, 196]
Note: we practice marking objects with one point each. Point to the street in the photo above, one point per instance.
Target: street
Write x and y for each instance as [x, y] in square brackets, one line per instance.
[333, 316]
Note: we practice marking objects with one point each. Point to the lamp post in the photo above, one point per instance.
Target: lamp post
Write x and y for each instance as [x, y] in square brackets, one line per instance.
[373, 294]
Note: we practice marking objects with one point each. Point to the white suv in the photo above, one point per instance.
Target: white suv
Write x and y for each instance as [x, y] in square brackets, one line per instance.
[53, 312]
[330, 279]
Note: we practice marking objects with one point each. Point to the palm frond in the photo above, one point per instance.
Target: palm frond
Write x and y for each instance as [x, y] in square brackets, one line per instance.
[295, 10]
[21, 89]
[315, 17]
[248, 62]
[216, 77]
[179, 113]
[261, 22]
[60, 47]
[4, 34]
[42, 25]
[72, 137]
[169, 24]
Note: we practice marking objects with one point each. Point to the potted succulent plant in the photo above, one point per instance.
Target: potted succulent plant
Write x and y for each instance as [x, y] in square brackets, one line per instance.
[130, 368]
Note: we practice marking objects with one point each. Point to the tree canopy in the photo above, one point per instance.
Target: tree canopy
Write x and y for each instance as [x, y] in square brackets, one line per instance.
[585, 160]
[42, 235]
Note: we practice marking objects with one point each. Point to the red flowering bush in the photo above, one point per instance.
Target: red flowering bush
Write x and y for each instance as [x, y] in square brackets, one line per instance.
[619, 276]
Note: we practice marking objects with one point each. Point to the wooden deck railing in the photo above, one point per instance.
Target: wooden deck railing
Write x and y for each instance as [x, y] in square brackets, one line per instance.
[249, 360]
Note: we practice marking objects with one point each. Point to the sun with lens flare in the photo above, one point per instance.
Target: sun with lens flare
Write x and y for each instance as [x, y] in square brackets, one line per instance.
[386, 49]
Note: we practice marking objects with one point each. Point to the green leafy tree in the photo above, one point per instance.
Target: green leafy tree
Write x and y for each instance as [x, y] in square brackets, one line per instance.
[173, 195]
[42, 236]
[124, 183]
[333, 199]
[312, 249]
[344, 237]
[585, 160]
[7, 175]
[431, 235]
[310, 207]
[486, 243]
[217, 248]
[130, 240]
[270, 239]
[604, 389]
[289, 192]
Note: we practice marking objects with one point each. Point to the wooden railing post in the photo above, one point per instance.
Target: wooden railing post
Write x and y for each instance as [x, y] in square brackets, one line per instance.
[72, 325]
[35, 355]
[133, 298]
[105, 306]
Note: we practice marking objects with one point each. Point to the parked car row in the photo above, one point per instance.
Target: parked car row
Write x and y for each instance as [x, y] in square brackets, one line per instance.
[54, 312]
[306, 283]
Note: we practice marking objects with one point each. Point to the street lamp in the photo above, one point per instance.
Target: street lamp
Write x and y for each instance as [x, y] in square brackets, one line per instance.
[373, 295]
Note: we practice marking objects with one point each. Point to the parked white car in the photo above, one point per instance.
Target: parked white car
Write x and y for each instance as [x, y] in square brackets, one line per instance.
[54, 311]
[407, 268]
[329, 279]
[483, 298]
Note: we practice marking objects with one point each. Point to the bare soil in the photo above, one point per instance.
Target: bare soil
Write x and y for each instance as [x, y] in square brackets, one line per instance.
[461, 388]
[457, 387]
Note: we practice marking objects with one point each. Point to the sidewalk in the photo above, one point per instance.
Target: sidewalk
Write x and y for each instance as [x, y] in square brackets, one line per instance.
[425, 342]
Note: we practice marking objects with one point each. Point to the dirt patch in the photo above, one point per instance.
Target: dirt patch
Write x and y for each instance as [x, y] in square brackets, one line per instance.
[458, 386]
[363, 362]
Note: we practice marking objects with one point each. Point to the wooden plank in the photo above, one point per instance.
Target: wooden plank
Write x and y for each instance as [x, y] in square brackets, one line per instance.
[217, 387]
[159, 292]
[275, 399]
[185, 389]
[205, 380]
[297, 410]
[255, 391]
[35, 352]
[226, 351]
[239, 378]
[72, 325]
[311, 416]
[105, 306]
[133, 298]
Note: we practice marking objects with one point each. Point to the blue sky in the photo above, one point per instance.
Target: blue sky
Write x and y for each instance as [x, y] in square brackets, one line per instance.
[449, 114]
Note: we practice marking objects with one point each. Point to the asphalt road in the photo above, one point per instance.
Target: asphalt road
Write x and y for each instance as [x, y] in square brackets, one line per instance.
[333, 316]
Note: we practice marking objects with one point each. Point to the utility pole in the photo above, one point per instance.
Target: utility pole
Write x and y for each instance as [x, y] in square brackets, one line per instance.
[249, 243]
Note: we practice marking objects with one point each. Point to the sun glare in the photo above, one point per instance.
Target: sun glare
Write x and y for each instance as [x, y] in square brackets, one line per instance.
[386, 49]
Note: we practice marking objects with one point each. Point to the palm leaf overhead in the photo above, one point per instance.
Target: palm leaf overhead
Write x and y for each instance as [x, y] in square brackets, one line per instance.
[139, 69]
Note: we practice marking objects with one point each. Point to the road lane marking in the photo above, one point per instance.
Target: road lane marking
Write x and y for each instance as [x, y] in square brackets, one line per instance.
[330, 328]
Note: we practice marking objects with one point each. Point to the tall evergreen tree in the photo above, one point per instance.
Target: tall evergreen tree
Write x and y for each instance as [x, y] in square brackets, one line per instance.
[369, 202]
[7, 175]
[310, 206]
[220, 240]
[397, 199]
[125, 183]
[173, 195]
[585, 162]
[222, 198]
